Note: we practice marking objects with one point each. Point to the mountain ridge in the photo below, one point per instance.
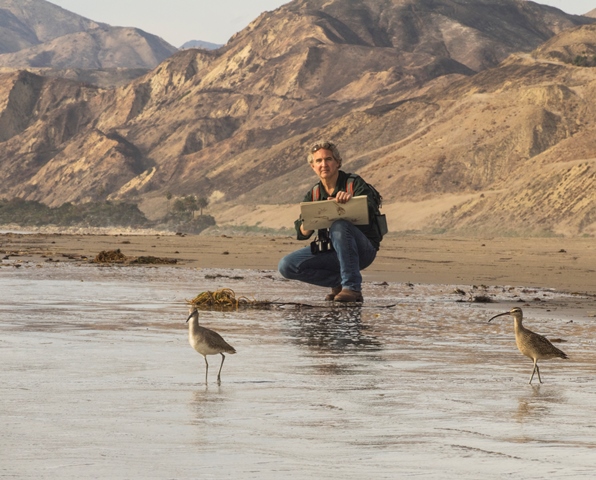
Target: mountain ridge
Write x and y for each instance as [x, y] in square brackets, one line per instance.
[414, 111]
[36, 34]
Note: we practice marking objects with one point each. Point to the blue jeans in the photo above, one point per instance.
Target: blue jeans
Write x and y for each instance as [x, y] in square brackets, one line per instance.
[353, 252]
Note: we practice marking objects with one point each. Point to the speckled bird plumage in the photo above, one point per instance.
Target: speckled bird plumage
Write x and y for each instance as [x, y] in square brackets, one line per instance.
[531, 344]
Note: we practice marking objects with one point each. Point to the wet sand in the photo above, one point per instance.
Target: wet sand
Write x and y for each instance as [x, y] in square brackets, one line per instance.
[98, 379]
[563, 264]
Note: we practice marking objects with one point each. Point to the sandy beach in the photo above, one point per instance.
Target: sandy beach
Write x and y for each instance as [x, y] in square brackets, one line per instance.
[99, 381]
[563, 264]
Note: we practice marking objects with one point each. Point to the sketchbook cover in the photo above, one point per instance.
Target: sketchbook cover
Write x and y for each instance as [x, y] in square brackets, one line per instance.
[323, 213]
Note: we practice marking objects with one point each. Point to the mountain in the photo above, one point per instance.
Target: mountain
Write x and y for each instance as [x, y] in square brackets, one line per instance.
[36, 34]
[102, 47]
[449, 107]
[26, 23]
[510, 150]
[201, 44]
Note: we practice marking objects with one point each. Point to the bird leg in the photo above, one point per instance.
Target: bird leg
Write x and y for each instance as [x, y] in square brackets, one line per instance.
[223, 357]
[536, 370]
[206, 368]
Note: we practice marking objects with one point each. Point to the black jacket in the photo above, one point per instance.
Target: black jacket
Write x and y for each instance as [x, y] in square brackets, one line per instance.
[360, 188]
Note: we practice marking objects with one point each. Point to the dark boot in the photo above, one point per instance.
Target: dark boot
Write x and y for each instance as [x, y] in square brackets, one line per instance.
[334, 292]
[348, 296]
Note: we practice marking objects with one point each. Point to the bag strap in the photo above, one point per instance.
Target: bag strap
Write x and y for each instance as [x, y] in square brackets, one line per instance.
[316, 193]
[350, 185]
[316, 190]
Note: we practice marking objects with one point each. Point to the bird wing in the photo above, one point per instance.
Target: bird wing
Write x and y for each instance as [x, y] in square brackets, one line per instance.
[548, 347]
[214, 339]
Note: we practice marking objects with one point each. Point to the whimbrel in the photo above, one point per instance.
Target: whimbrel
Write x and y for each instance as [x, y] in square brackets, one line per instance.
[207, 342]
[531, 344]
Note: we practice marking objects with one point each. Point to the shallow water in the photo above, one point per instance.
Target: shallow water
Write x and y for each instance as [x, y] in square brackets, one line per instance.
[98, 381]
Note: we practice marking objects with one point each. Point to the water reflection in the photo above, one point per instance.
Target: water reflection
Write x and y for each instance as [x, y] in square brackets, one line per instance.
[206, 403]
[537, 403]
[332, 330]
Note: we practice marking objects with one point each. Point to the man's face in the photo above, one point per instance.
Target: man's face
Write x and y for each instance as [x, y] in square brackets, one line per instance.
[325, 166]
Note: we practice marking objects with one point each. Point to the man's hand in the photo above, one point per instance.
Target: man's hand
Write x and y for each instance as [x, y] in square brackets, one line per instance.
[306, 233]
[342, 197]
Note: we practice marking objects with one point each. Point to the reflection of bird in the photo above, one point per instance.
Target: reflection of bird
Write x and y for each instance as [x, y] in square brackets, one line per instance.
[207, 342]
[531, 344]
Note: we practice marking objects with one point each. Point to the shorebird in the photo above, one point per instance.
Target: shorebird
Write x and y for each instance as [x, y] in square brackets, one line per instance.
[531, 344]
[207, 342]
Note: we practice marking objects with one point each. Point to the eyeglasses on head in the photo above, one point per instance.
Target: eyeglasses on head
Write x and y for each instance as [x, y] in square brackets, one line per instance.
[319, 146]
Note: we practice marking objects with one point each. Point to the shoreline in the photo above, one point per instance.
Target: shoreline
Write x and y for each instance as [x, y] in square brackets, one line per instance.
[563, 264]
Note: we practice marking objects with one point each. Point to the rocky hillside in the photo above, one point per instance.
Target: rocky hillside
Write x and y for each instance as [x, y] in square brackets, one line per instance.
[453, 109]
[36, 34]
[511, 149]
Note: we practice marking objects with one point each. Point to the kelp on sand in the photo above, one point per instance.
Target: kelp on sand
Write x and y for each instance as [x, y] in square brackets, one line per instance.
[225, 299]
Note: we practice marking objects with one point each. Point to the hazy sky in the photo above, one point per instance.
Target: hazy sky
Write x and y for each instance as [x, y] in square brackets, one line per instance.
[178, 21]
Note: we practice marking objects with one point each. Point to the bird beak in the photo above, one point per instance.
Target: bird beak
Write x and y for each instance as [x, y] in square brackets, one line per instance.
[189, 317]
[499, 315]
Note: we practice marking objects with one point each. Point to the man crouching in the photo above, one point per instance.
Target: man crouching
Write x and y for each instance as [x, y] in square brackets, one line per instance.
[351, 248]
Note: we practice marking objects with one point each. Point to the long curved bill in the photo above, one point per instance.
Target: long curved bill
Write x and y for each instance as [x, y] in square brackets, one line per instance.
[499, 315]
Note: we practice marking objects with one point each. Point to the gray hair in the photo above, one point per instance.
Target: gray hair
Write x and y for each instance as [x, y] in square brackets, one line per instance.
[324, 145]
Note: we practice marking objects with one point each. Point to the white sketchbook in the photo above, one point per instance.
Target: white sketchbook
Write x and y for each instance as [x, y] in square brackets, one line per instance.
[323, 213]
